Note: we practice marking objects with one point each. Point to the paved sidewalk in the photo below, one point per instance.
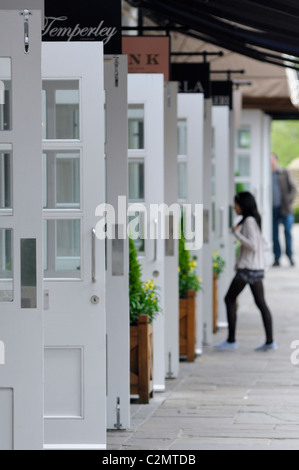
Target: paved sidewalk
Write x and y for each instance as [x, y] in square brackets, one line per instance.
[233, 400]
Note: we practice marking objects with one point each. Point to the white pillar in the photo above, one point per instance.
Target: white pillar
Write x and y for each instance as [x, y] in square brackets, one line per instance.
[117, 279]
[223, 241]
[208, 242]
[171, 248]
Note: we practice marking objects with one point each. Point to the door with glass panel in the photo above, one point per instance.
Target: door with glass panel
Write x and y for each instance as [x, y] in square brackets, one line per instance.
[146, 187]
[21, 286]
[191, 174]
[74, 259]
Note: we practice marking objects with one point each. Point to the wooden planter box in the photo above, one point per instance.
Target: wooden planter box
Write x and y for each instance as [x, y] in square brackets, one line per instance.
[215, 303]
[188, 326]
[141, 360]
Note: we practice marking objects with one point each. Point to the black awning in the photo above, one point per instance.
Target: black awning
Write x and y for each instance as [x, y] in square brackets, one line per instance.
[266, 30]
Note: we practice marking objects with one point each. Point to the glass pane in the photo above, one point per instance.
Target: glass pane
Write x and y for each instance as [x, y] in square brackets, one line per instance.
[62, 240]
[213, 179]
[243, 165]
[242, 186]
[182, 182]
[182, 137]
[137, 230]
[136, 181]
[6, 265]
[244, 139]
[5, 94]
[62, 180]
[5, 177]
[136, 127]
[61, 110]
[28, 273]
[213, 140]
[44, 114]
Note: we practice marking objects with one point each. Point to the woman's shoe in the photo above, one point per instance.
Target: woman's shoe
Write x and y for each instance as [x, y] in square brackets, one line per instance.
[226, 346]
[267, 347]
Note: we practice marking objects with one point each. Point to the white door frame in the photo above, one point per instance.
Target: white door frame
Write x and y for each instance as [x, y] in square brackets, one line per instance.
[208, 242]
[171, 247]
[117, 276]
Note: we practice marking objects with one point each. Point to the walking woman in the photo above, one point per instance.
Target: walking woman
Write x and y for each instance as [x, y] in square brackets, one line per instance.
[250, 270]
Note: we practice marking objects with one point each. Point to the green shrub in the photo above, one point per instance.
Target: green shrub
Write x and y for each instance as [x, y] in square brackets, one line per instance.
[188, 279]
[218, 263]
[144, 296]
[296, 215]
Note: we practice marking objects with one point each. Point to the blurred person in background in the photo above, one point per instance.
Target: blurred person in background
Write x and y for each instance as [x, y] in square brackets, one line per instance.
[284, 193]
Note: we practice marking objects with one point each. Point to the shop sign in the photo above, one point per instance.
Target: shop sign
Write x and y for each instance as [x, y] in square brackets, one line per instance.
[192, 78]
[86, 21]
[222, 93]
[147, 54]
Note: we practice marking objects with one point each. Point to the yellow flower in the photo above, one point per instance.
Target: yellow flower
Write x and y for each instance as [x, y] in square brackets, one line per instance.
[179, 269]
[199, 279]
[215, 254]
[215, 265]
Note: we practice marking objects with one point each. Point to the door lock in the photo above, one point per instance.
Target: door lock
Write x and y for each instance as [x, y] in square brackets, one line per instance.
[26, 14]
[95, 300]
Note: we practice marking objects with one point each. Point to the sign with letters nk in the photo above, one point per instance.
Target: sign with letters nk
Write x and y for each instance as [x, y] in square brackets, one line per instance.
[147, 54]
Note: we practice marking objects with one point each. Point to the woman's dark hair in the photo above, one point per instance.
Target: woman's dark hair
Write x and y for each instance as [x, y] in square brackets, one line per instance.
[248, 205]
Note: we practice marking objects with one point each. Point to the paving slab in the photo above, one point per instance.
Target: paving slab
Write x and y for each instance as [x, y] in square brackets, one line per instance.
[237, 400]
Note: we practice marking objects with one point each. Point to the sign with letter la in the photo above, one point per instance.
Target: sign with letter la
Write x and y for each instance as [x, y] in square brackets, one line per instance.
[147, 54]
[192, 78]
[66, 20]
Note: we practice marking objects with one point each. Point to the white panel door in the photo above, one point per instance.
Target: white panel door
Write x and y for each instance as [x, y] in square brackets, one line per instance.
[252, 162]
[21, 280]
[191, 174]
[74, 260]
[146, 186]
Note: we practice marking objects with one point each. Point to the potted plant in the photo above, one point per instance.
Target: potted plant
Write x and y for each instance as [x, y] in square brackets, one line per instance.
[218, 268]
[189, 285]
[144, 307]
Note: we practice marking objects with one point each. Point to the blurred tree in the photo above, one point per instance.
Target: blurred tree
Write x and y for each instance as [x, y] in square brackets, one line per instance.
[285, 141]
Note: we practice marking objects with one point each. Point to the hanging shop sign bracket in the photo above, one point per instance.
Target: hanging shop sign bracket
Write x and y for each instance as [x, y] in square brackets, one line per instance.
[229, 73]
[26, 14]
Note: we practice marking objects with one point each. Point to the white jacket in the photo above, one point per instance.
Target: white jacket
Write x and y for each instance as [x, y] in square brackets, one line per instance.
[252, 251]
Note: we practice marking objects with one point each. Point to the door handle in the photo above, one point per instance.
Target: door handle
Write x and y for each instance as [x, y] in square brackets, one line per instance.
[93, 255]
[221, 210]
[156, 240]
